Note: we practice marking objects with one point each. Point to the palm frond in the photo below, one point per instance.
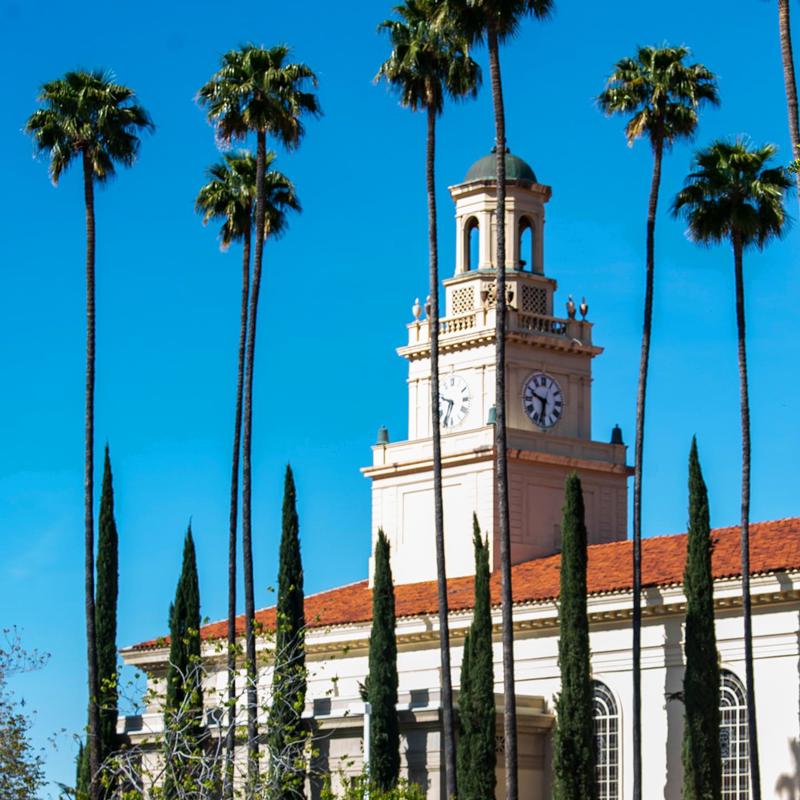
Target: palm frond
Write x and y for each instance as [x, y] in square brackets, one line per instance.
[475, 18]
[732, 192]
[230, 196]
[661, 92]
[255, 89]
[87, 113]
[429, 60]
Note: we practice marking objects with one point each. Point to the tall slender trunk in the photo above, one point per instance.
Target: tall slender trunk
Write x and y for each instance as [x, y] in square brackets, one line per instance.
[755, 771]
[247, 543]
[644, 360]
[92, 740]
[501, 463]
[438, 506]
[230, 743]
[789, 80]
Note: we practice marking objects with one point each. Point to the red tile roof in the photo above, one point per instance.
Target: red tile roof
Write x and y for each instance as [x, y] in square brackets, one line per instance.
[774, 547]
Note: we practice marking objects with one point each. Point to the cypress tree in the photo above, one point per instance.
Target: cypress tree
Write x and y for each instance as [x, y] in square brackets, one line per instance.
[286, 736]
[464, 749]
[82, 773]
[702, 760]
[573, 753]
[384, 764]
[105, 612]
[477, 756]
[105, 606]
[184, 692]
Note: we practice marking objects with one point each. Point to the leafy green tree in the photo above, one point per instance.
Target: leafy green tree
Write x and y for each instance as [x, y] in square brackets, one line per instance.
[256, 90]
[230, 196]
[662, 94]
[494, 22]
[702, 759]
[429, 62]
[733, 194]
[183, 710]
[384, 765]
[21, 766]
[789, 81]
[477, 755]
[286, 735]
[86, 116]
[573, 754]
[359, 787]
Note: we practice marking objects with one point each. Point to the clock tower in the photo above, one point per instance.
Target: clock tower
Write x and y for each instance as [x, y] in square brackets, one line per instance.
[548, 396]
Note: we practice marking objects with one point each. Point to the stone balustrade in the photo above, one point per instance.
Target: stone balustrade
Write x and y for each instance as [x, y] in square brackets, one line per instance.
[516, 322]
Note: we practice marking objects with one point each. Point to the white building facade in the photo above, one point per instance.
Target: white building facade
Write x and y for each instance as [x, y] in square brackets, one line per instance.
[549, 360]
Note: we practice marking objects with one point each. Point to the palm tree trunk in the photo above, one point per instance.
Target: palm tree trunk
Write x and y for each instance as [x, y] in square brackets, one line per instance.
[789, 80]
[247, 543]
[501, 464]
[230, 743]
[755, 772]
[92, 741]
[644, 360]
[438, 506]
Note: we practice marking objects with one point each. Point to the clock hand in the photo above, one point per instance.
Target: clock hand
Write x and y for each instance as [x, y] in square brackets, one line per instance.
[449, 412]
[544, 400]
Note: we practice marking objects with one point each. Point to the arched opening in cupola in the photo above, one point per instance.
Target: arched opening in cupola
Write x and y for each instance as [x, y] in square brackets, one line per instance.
[472, 233]
[525, 244]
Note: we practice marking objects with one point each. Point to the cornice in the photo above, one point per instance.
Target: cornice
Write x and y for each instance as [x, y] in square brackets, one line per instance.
[487, 454]
[471, 339]
[531, 617]
[425, 464]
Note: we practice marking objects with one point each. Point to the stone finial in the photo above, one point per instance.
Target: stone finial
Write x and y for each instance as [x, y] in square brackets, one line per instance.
[584, 308]
[416, 309]
[571, 308]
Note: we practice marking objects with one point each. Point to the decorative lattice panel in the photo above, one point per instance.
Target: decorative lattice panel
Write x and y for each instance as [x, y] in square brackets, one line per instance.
[463, 300]
[491, 292]
[534, 300]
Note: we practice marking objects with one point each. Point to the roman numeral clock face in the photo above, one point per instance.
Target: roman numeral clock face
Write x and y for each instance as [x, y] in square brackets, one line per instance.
[542, 399]
[454, 401]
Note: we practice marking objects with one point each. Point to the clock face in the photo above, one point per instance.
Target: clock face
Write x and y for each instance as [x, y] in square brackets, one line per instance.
[454, 401]
[542, 399]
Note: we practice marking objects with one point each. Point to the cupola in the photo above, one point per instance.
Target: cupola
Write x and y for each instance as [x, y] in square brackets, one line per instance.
[476, 230]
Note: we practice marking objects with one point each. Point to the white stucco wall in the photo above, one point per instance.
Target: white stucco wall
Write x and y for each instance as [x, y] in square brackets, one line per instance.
[337, 661]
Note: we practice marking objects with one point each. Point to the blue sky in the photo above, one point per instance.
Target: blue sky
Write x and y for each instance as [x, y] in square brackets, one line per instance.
[337, 294]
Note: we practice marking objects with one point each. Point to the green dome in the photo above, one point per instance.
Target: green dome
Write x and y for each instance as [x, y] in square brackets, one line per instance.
[485, 169]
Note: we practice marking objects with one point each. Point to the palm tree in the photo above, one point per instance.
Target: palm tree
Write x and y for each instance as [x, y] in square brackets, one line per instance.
[86, 116]
[256, 90]
[429, 62]
[230, 195]
[787, 57]
[662, 93]
[495, 21]
[732, 194]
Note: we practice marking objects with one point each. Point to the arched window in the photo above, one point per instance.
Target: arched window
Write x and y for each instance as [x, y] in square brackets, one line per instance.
[525, 244]
[606, 741]
[733, 738]
[472, 257]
